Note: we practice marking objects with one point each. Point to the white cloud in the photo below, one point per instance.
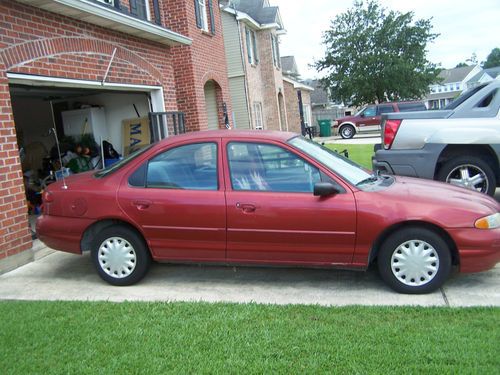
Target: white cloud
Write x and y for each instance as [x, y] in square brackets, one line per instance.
[464, 27]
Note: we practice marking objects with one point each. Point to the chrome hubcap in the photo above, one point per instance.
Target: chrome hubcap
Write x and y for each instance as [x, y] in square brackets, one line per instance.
[347, 131]
[415, 263]
[468, 176]
[117, 257]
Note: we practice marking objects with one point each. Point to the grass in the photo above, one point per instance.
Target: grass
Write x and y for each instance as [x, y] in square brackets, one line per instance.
[361, 154]
[147, 338]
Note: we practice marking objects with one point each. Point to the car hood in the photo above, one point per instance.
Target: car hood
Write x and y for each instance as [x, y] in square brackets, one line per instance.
[420, 199]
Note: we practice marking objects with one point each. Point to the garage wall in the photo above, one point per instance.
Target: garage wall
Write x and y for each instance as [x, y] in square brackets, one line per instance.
[118, 107]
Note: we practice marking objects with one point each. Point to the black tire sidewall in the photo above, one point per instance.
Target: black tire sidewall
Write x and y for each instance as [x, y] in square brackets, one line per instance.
[143, 257]
[342, 131]
[472, 160]
[407, 234]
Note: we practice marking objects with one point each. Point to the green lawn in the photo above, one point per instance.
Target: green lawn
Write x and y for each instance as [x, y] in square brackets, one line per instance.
[361, 154]
[157, 338]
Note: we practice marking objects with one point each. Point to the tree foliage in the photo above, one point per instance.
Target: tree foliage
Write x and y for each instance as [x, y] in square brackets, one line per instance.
[493, 59]
[375, 54]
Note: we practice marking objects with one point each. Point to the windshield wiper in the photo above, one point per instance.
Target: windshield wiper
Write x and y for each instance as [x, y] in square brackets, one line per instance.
[372, 178]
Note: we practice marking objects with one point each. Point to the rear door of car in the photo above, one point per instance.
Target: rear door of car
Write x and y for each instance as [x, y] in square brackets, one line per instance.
[272, 214]
[177, 199]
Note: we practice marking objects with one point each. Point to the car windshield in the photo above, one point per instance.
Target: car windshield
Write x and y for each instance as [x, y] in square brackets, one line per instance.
[343, 167]
[464, 96]
[114, 167]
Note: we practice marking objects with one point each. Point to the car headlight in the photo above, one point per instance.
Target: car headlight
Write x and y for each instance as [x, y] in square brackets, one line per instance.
[488, 222]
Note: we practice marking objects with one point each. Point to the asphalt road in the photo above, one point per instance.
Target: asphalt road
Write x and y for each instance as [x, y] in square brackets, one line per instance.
[61, 276]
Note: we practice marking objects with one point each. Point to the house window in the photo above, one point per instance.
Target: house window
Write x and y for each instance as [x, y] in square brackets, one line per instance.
[257, 113]
[251, 41]
[276, 51]
[457, 86]
[204, 19]
[139, 8]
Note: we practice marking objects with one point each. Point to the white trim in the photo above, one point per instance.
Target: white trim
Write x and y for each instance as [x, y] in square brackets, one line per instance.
[298, 85]
[33, 80]
[242, 16]
[140, 28]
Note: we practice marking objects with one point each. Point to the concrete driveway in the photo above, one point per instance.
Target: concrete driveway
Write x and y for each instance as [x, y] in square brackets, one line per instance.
[61, 276]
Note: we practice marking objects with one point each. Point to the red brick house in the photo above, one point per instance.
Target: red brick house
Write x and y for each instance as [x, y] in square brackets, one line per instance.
[107, 61]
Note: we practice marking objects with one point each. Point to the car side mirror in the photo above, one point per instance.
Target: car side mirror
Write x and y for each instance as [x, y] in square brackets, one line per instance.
[324, 189]
[361, 115]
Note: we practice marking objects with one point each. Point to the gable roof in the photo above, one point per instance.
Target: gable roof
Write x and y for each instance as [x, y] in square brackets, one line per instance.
[455, 74]
[260, 11]
[319, 96]
[493, 72]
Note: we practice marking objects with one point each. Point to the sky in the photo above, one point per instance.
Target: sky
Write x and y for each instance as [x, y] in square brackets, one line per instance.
[465, 27]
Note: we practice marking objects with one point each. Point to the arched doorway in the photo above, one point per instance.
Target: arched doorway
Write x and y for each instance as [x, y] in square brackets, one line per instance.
[213, 104]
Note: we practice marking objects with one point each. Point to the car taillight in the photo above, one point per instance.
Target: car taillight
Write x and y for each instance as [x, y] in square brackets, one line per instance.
[47, 197]
[390, 129]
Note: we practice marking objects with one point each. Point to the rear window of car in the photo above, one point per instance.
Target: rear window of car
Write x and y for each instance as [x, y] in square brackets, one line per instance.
[409, 107]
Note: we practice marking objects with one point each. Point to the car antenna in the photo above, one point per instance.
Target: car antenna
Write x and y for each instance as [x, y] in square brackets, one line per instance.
[53, 131]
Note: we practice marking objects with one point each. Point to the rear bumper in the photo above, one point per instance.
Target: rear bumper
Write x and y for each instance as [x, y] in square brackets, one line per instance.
[478, 250]
[61, 233]
[411, 163]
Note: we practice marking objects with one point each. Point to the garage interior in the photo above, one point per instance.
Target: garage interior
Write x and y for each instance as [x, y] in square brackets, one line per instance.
[84, 120]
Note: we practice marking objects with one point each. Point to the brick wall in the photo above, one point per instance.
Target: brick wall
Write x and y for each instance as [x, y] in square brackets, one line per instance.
[34, 41]
[272, 82]
[195, 65]
[292, 107]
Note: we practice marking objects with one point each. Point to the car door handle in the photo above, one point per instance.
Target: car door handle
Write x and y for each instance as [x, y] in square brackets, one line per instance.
[246, 207]
[142, 204]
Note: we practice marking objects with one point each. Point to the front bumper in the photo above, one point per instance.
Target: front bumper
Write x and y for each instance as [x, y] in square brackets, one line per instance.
[478, 249]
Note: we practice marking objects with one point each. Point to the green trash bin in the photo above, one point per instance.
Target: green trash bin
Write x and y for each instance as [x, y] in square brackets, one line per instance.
[325, 128]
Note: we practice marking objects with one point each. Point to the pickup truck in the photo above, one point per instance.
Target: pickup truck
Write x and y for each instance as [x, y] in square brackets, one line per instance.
[459, 145]
[368, 119]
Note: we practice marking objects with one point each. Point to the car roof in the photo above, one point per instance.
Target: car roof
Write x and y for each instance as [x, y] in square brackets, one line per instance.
[233, 133]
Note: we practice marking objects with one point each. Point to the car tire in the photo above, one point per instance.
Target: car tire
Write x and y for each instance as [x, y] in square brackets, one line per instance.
[414, 260]
[120, 255]
[347, 131]
[471, 166]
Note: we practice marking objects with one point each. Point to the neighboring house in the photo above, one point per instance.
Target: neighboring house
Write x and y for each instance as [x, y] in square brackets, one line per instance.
[297, 97]
[117, 64]
[484, 76]
[252, 29]
[453, 82]
[323, 108]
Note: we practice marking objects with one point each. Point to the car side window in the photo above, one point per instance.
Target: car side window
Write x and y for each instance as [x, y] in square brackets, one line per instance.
[191, 167]
[265, 167]
[384, 108]
[370, 111]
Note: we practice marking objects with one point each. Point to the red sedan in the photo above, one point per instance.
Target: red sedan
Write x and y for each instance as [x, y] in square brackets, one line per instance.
[267, 198]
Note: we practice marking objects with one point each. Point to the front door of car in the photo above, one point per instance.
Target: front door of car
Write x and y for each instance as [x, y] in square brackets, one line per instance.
[272, 214]
[369, 119]
[177, 200]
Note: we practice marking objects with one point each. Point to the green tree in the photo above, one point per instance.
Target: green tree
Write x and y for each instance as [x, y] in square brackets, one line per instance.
[375, 54]
[461, 65]
[493, 59]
